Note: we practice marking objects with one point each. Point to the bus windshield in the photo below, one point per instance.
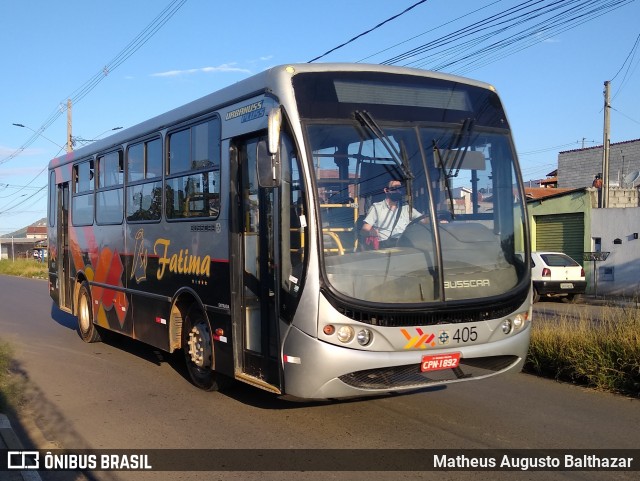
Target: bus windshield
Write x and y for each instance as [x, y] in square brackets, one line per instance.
[416, 213]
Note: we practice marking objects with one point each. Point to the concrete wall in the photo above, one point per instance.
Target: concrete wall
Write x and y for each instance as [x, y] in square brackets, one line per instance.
[620, 273]
[577, 168]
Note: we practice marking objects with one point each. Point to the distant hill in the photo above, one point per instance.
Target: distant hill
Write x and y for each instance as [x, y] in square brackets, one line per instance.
[22, 233]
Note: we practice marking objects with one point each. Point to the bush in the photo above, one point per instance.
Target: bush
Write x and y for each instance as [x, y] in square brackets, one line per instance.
[10, 390]
[24, 268]
[599, 353]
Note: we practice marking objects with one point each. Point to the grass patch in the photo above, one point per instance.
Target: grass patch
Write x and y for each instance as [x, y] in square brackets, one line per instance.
[24, 268]
[10, 387]
[601, 353]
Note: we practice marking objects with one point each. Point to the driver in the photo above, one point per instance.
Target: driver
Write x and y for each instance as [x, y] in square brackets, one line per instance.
[387, 219]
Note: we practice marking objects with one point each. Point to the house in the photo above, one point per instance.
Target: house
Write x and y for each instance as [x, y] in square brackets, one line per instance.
[37, 232]
[571, 222]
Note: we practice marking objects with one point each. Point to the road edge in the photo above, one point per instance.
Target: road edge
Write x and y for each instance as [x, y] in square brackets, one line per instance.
[10, 441]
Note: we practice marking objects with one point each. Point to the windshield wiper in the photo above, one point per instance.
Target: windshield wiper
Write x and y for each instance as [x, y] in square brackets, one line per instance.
[445, 176]
[367, 120]
[454, 148]
[458, 156]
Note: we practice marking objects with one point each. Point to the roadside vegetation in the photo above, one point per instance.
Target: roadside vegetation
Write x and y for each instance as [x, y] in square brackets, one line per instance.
[10, 388]
[24, 268]
[599, 353]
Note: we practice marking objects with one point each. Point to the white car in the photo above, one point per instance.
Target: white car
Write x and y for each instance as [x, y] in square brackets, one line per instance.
[556, 274]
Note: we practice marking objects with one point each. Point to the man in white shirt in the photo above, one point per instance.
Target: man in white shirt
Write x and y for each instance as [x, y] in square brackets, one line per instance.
[387, 219]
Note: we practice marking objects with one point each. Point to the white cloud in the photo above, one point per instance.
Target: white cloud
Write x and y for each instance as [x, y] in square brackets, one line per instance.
[6, 151]
[221, 68]
[16, 171]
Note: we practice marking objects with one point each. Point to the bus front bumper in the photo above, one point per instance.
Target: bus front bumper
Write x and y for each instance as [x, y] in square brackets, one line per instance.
[314, 369]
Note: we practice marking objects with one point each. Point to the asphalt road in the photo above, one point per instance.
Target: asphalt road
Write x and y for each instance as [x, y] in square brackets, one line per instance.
[122, 394]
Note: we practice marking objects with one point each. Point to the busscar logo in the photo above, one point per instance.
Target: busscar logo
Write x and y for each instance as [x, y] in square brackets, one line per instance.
[467, 283]
[23, 460]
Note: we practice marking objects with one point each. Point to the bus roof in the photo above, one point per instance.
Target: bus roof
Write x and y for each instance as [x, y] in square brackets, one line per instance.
[273, 79]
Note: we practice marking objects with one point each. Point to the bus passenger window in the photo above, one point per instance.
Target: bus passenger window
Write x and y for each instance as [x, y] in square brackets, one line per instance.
[144, 197]
[82, 202]
[192, 187]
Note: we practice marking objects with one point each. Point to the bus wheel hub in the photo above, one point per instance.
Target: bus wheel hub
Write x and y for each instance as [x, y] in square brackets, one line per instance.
[200, 345]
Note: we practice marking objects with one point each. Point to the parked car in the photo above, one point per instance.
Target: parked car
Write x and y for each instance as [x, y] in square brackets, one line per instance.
[555, 274]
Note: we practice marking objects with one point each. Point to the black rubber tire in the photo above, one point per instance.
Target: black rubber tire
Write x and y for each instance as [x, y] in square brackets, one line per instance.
[536, 296]
[86, 328]
[197, 344]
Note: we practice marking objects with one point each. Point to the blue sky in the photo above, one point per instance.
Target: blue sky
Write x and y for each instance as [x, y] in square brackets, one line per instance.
[552, 90]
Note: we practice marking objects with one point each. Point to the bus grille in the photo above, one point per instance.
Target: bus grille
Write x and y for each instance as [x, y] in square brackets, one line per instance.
[442, 316]
[411, 377]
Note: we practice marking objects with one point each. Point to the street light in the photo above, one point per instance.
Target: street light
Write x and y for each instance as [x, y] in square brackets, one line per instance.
[39, 134]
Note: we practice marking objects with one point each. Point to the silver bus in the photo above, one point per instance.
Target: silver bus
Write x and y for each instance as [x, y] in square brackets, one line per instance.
[316, 230]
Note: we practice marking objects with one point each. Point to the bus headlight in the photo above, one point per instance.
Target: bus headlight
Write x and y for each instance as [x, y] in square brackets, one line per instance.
[507, 326]
[518, 322]
[345, 334]
[364, 337]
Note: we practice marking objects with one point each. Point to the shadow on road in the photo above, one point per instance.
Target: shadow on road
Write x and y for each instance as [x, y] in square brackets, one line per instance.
[238, 391]
[39, 424]
[63, 318]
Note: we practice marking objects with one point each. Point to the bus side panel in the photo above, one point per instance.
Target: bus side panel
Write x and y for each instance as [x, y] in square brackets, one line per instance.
[97, 252]
[176, 261]
[222, 341]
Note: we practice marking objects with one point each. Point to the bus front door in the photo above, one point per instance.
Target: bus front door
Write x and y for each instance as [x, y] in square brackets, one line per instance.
[256, 243]
[64, 259]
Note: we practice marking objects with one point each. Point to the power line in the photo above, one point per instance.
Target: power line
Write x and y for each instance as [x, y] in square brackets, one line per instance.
[632, 54]
[9, 209]
[626, 116]
[556, 147]
[533, 20]
[368, 31]
[429, 31]
[567, 18]
[633, 49]
[143, 37]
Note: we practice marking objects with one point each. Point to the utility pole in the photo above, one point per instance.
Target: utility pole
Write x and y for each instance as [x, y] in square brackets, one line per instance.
[605, 147]
[69, 139]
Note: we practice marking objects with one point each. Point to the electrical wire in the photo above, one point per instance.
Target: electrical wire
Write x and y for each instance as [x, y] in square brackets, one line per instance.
[132, 47]
[367, 32]
[428, 31]
[567, 18]
[533, 21]
[631, 56]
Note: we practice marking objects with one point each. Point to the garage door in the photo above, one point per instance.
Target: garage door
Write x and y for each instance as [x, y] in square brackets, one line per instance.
[561, 233]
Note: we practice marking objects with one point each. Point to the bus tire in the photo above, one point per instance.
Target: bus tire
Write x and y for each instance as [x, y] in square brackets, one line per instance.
[197, 344]
[86, 328]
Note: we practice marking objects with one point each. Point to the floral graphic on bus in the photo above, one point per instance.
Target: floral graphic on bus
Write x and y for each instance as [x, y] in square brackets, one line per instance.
[109, 271]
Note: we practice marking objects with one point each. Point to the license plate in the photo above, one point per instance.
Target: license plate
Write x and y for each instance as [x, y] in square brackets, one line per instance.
[566, 285]
[437, 362]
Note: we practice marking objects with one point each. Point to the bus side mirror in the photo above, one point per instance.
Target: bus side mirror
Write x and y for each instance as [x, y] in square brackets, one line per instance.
[268, 166]
[268, 155]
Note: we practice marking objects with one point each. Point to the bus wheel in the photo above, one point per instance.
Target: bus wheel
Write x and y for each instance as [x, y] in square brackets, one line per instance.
[197, 344]
[86, 328]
